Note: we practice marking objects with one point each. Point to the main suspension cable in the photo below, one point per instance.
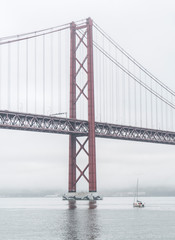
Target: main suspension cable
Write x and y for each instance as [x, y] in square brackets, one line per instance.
[133, 60]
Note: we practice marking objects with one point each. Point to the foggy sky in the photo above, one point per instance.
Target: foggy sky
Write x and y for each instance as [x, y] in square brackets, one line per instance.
[146, 30]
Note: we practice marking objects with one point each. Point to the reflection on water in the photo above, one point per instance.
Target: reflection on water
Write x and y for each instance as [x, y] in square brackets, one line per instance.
[92, 204]
[112, 218]
[72, 204]
[80, 222]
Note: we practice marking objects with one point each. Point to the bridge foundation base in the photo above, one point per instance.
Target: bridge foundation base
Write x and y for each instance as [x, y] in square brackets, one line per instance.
[82, 196]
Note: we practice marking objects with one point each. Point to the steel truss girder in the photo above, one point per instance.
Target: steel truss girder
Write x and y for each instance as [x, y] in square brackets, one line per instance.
[115, 131]
[41, 123]
[49, 124]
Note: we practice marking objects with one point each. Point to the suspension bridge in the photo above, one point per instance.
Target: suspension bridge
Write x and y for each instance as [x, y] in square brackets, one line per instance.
[77, 70]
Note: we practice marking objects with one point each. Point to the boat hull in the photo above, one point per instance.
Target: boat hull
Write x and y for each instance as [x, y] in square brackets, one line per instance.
[138, 205]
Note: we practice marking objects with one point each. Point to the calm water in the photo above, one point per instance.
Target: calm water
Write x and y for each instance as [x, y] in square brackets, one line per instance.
[112, 218]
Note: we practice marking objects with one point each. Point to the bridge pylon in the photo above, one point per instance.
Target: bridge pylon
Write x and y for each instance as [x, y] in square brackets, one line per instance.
[86, 91]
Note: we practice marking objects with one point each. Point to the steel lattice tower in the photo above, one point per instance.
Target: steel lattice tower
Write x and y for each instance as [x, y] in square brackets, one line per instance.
[87, 40]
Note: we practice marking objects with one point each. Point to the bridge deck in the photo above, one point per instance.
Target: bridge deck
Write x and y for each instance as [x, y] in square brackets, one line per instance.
[50, 124]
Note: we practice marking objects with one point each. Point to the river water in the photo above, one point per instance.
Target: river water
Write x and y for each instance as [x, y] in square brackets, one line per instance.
[111, 218]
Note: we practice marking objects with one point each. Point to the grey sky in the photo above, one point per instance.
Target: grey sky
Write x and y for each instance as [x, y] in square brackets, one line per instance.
[143, 28]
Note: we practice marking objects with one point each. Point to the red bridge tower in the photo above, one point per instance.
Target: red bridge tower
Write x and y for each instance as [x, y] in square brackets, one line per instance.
[87, 91]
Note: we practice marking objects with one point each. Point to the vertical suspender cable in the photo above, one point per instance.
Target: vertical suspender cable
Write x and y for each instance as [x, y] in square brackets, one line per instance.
[0, 78]
[129, 98]
[162, 122]
[27, 75]
[112, 95]
[96, 77]
[116, 89]
[51, 70]
[105, 88]
[156, 110]
[101, 87]
[105, 94]
[107, 91]
[66, 71]
[97, 81]
[59, 72]
[95, 64]
[35, 62]
[151, 105]
[123, 92]
[17, 75]
[146, 107]
[9, 79]
[135, 97]
[140, 99]
[43, 74]
[172, 116]
[166, 112]
[108, 87]
[104, 103]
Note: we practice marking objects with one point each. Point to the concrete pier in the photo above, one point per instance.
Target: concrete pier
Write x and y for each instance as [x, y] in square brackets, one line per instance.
[82, 196]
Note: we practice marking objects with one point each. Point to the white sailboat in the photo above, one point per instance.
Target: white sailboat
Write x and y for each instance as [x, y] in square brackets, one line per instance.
[136, 202]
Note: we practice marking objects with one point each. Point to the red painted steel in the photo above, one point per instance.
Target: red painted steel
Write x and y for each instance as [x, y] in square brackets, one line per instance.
[73, 71]
[73, 140]
[91, 116]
